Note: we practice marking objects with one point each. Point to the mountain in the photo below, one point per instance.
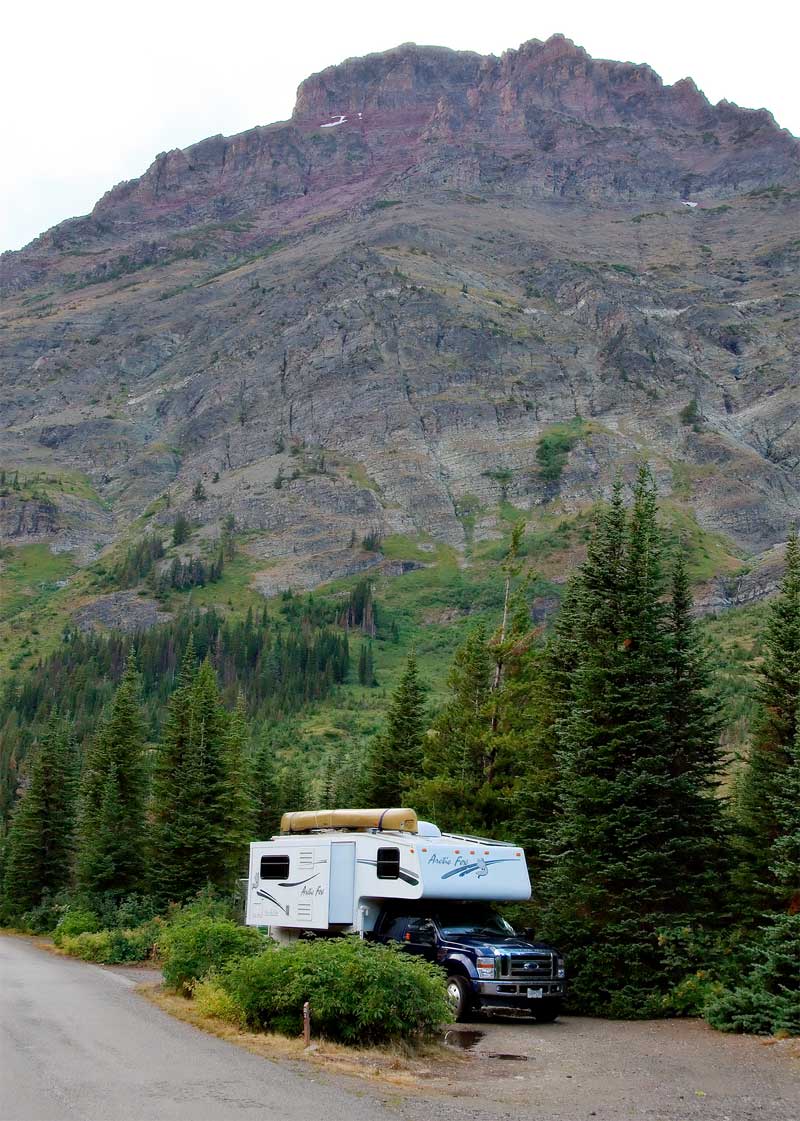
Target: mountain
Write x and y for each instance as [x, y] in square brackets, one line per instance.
[449, 288]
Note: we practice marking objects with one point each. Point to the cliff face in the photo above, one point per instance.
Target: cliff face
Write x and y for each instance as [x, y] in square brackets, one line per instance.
[388, 301]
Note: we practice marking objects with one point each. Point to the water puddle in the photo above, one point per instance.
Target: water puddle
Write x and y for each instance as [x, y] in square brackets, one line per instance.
[468, 1039]
[462, 1040]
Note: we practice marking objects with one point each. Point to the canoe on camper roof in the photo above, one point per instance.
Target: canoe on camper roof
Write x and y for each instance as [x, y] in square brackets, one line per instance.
[302, 821]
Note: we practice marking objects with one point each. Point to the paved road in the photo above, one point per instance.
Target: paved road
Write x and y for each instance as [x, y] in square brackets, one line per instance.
[77, 1044]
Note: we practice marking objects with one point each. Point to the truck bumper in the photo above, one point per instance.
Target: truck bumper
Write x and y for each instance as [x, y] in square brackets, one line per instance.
[512, 994]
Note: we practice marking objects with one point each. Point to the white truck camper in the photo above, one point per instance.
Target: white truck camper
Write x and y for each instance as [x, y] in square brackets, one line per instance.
[335, 871]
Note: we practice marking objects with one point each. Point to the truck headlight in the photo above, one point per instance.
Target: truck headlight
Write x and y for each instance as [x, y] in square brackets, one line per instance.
[561, 971]
[485, 967]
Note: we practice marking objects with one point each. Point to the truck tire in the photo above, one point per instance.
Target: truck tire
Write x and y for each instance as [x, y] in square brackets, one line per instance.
[545, 1011]
[459, 997]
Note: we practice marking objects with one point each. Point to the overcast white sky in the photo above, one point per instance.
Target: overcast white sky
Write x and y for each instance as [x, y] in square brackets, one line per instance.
[91, 91]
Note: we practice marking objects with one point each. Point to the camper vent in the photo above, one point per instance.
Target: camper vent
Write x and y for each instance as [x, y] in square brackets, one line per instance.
[305, 858]
[304, 910]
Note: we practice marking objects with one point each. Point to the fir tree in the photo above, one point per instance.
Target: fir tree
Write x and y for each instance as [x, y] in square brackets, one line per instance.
[180, 530]
[785, 852]
[455, 748]
[292, 791]
[396, 753]
[237, 810]
[39, 848]
[192, 794]
[760, 783]
[111, 833]
[637, 821]
[264, 790]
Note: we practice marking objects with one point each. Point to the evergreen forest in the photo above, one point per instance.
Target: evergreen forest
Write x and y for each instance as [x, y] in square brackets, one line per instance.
[134, 770]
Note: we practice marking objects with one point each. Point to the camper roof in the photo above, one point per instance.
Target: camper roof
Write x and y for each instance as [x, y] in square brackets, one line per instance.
[305, 821]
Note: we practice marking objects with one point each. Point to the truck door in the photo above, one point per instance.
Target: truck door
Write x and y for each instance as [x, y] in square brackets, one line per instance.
[341, 897]
[420, 937]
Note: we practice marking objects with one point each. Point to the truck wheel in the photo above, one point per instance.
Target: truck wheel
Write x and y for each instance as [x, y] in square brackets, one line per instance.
[546, 1011]
[459, 997]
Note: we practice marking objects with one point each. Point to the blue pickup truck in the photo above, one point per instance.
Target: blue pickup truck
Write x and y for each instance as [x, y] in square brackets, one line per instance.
[487, 964]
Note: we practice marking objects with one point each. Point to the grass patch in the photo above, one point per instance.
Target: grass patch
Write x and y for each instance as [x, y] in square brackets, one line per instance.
[396, 1065]
[709, 554]
[30, 575]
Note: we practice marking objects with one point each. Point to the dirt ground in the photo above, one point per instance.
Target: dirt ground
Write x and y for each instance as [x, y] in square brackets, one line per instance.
[664, 1070]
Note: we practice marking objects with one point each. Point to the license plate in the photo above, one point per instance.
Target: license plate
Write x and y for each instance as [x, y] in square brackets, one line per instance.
[535, 994]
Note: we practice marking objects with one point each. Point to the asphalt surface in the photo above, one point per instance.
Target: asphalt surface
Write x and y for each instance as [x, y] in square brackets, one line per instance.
[76, 1042]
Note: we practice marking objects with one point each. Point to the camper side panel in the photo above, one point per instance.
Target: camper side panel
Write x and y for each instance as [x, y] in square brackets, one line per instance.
[473, 871]
[289, 884]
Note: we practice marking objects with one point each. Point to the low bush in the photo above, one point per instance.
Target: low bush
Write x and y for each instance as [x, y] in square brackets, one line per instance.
[90, 945]
[359, 992]
[76, 921]
[767, 999]
[212, 1000]
[192, 947]
[113, 947]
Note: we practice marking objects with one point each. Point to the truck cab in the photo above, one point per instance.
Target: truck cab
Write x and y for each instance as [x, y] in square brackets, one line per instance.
[487, 964]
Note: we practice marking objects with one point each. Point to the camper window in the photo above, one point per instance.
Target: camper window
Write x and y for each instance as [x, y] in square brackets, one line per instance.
[274, 867]
[388, 864]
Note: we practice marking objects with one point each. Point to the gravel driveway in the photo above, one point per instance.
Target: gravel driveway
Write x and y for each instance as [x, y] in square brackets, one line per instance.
[664, 1070]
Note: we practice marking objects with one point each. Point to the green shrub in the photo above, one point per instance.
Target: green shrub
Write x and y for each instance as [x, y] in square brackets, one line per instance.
[76, 921]
[113, 947]
[359, 992]
[90, 946]
[136, 910]
[45, 917]
[767, 1000]
[192, 947]
[212, 1000]
[554, 448]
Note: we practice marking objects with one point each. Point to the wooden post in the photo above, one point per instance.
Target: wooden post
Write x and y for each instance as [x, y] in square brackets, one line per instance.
[307, 1024]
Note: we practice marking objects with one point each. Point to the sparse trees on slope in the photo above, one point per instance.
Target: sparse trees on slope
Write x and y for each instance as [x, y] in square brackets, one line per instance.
[111, 833]
[39, 849]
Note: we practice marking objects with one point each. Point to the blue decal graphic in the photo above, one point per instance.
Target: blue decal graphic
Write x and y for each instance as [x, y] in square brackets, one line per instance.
[480, 866]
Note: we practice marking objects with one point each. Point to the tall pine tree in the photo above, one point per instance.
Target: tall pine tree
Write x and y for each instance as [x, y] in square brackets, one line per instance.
[264, 789]
[237, 809]
[191, 792]
[112, 854]
[759, 784]
[40, 843]
[396, 753]
[637, 813]
[455, 749]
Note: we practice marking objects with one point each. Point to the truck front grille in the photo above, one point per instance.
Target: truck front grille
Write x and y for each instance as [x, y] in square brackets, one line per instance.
[533, 967]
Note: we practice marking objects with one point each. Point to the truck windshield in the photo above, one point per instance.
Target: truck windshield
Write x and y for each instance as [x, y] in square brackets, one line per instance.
[474, 924]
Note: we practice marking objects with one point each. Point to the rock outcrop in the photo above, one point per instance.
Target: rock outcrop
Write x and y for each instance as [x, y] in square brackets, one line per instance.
[365, 320]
